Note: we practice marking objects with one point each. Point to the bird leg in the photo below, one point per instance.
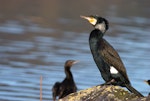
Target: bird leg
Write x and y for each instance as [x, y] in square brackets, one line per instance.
[109, 82]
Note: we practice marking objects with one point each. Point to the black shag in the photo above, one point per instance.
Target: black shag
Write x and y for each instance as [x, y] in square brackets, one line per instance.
[106, 57]
[67, 86]
[147, 81]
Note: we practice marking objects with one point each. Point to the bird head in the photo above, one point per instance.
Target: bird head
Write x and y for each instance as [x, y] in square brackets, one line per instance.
[97, 21]
[71, 62]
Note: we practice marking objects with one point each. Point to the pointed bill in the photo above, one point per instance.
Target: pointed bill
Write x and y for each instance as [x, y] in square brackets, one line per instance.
[76, 61]
[92, 20]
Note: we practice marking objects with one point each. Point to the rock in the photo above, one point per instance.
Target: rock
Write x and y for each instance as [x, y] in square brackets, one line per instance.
[104, 93]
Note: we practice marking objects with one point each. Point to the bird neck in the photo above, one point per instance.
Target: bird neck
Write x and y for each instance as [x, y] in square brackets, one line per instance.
[96, 34]
[101, 27]
[95, 39]
[68, 72]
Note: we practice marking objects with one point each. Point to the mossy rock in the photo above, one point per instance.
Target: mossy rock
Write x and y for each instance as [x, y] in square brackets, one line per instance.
[104, 93]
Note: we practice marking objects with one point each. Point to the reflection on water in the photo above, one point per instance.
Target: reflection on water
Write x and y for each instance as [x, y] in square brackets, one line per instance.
[29, 48]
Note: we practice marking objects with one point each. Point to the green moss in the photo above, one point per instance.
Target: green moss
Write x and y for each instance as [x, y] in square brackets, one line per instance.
[97, 93]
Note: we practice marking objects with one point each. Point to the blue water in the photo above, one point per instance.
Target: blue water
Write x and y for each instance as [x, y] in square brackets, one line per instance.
[29, 51]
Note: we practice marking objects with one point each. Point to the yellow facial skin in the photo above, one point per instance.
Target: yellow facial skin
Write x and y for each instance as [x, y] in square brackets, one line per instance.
[90, 19]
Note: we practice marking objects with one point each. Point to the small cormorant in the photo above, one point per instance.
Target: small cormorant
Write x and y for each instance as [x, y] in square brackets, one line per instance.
[67, 86]
[106, 57]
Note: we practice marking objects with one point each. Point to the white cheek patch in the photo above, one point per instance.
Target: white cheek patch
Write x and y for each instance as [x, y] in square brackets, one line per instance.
[113, 70]
[101, 27]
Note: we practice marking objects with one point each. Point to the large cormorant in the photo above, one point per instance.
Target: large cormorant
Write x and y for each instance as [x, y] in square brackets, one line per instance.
[67, 86]
[106, 57]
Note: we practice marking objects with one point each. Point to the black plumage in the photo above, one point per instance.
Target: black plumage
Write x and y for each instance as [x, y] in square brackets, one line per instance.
[67, 86]
[106, 57]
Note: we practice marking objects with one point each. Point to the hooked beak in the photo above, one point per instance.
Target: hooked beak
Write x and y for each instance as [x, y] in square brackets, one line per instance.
[76, 61]
[92, 20]
[85, 17]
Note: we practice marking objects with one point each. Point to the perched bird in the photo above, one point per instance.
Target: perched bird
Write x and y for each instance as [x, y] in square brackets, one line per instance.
[106, 57]
[147, 81]
[67, 86]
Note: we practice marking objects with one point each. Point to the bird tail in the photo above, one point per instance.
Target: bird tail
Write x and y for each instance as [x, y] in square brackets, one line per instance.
[133, 90]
